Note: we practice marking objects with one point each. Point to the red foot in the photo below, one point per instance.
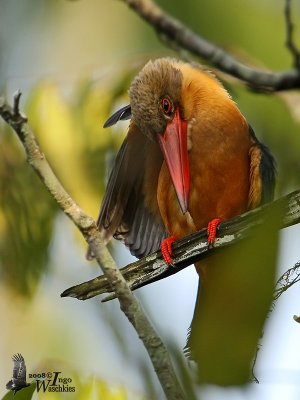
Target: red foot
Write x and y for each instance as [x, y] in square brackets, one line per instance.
[212, 230]
[166, 249]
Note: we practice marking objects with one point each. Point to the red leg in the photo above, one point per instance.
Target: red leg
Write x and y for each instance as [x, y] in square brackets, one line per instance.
[212, 230]
[166, 249]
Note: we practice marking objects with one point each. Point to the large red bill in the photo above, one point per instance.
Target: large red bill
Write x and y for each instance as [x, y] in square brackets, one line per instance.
[174, 147]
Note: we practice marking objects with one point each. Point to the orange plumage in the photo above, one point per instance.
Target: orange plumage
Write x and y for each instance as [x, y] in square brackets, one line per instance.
[189, 157]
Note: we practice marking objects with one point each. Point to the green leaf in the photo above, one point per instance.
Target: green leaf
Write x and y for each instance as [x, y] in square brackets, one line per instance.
[232, 306]
[23, 394]
[26, 219]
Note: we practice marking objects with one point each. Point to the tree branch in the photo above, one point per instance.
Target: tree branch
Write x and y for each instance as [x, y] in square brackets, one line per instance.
[181, 35]
[190, 249]
[128, 303]
[289, 34]
[288, 279]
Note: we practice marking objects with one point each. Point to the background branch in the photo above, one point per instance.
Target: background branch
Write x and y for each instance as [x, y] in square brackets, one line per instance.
[179, 34]
[128, 303]
[290, 34]
[190, 249]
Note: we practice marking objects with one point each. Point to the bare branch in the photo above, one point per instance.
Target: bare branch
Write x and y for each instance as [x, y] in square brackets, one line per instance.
[128, 303]
[179, 34]
[190, 249]
[289, 34]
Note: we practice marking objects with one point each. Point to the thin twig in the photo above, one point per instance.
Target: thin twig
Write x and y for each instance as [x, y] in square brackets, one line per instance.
[288, 279]
[296, 318]
[128, 302]
[289, 34]
[180, 34]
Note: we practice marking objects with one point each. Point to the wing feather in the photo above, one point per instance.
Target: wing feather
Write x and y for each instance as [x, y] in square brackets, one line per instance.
[120, 115]
[19, 370]
[124, 212]
[262, 173]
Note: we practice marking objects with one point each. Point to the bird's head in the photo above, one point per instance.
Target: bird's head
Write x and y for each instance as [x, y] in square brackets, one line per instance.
[156, 107]
[155, 96]
[168, 99]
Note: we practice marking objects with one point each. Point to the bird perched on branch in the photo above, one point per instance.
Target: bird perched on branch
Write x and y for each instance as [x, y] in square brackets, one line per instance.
[18, 380]
[189, 161]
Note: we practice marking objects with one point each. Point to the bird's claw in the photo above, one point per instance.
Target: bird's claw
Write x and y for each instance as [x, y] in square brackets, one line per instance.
[212, 230]
[166, 250]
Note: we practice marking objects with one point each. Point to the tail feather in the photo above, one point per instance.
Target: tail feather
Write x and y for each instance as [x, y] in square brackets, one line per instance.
[218, 338]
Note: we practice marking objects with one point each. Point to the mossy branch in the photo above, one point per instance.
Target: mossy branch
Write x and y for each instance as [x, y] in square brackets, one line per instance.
[190, 249]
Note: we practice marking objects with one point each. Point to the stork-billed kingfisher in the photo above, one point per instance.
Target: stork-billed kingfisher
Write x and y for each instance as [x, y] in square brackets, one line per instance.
[189, 160]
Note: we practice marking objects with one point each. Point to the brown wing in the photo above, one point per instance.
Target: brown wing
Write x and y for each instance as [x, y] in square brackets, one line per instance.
[262, 173]
[127, 212]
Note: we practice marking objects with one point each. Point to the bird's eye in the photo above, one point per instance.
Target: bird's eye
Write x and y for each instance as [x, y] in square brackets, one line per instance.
[166, 105]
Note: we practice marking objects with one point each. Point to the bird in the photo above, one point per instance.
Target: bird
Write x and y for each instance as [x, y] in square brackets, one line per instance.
[18, 380]
[190, 160]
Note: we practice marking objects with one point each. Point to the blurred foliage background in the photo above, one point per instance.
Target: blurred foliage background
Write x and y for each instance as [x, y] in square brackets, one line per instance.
[73, 61]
